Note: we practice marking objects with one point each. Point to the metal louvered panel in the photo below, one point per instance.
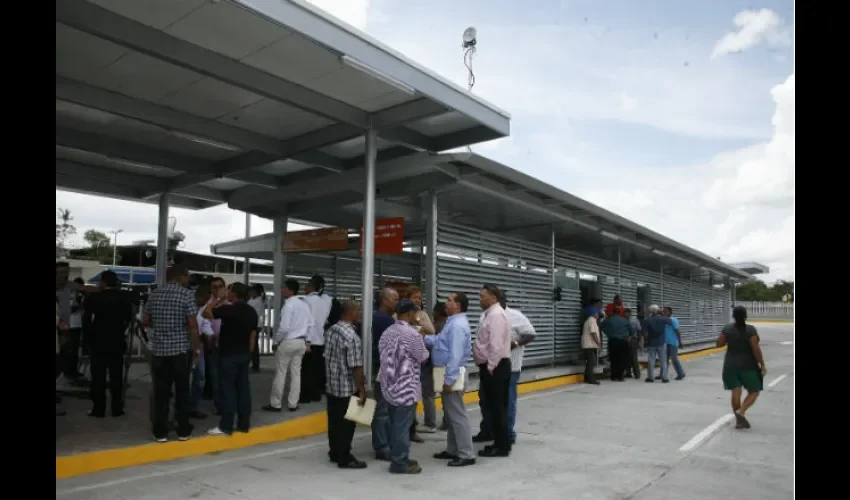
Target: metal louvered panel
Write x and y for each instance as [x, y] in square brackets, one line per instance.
[467, 258]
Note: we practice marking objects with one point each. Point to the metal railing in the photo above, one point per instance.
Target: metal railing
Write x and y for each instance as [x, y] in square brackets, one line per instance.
[767, 310]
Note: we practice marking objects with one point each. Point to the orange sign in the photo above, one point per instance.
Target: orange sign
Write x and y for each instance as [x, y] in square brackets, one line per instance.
[316, 240]
[389, 236]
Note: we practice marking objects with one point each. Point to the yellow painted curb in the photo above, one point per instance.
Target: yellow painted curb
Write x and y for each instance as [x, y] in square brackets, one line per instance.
[309, 425]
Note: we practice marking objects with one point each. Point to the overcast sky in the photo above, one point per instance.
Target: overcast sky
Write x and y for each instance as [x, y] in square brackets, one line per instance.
[679, 116]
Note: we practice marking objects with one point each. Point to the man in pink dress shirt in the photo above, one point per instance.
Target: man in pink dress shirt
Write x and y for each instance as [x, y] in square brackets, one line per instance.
[492, 353]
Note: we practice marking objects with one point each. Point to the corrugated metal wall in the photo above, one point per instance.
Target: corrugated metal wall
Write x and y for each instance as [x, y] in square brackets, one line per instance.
[468, 258]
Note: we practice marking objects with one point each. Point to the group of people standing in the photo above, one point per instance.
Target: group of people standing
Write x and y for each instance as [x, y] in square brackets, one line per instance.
[408, 349]
[659, 334]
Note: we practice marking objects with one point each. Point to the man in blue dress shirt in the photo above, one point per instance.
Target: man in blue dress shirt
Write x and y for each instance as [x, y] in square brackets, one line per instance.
[451, 348]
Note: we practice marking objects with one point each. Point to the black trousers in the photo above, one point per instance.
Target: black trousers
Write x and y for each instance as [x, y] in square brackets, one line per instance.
[591, 357]
[168, 371]
[235, 390]
[618, 351]
[313, 375]
[70, 351]
[255, 354]
[340, 430]
[496, 387]
[103, 363]
[633, 357]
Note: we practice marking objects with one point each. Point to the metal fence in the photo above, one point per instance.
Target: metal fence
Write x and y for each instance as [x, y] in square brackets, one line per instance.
[767, 310]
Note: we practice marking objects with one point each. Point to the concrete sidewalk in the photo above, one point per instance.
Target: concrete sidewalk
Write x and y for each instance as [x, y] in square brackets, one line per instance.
[616, 440]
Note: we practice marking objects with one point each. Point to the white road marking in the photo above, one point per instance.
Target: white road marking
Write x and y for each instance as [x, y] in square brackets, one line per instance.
[787, 342]
[706, 433]
[252, 456]
[715, 426]
[776, 381]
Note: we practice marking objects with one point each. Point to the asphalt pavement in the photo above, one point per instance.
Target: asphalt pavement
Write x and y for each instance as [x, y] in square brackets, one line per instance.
[629, 440]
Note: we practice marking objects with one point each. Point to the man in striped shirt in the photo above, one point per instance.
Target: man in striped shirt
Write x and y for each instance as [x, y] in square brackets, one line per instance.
[402, 352]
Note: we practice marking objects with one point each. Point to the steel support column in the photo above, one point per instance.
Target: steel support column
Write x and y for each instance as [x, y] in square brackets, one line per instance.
[162, 240]
[431, 245]
[246, 271]
[368, 258]
[554, 304]
[662, 284]
[279, 266]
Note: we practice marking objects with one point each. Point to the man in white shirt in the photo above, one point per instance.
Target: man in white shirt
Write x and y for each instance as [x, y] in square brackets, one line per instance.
[290, 340]
[313, 366]
[522, 332]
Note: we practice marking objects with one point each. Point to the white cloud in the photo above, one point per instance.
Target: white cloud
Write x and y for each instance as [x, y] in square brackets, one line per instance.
[753, 28]
[627, 102]
[353, 12]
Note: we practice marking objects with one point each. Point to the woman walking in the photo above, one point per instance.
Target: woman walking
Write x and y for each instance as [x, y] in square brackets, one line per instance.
[743, 366]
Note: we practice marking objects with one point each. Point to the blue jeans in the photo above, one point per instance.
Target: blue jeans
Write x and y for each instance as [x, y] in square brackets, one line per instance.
[235, 392]
[198, 379]
[656, 352]
[673, 356]
[380, 422]
[401, 418]
[486, 418]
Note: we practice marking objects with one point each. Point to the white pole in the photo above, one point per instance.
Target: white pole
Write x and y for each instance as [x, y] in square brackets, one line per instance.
[368, 258]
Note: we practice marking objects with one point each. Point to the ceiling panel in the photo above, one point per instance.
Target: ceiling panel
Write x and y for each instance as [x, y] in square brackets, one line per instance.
[79, 55]
[354, 147]
[275, 119]
[350, 85]
[385, 101]
[210, 98]
[155, 13]
[71, 113]
[227, 29]
[295, 59]
[224, 184]
[284, 167]
[157, 137]
[143, 77]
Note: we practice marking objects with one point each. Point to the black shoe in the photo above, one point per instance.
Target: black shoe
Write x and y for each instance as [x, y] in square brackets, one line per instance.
[199, 415]
[461, 462]
[680, 377]
[592, 382]
[649, 381]
[481, 438]
[383, 456]
[96, 413]
[352, 463]
[118, 413]
[493, 452]
[665, 381]
[658, 377]
[293, 408]
[444, 455]
[271, 408]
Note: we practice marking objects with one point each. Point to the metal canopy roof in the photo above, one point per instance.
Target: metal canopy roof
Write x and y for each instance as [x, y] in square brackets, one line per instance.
[751, 267]
[479, 192]
[207, 98]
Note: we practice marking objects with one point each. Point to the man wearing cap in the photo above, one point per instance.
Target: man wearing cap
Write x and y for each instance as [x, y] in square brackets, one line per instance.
[656, 343]
[402, 352]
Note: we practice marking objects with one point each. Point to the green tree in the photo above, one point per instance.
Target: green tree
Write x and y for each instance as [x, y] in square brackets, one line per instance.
[759, 291]
[100, 246]
[64, 227]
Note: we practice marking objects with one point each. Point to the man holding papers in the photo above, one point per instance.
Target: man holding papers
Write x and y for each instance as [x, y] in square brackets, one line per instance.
[449, 351]
[344, 376]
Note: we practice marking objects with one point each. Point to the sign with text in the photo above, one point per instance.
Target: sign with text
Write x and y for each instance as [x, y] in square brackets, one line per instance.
[316, 240]
[389, 236]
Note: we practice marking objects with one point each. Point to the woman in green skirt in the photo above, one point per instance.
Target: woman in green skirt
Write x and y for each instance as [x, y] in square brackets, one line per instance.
[743, 367]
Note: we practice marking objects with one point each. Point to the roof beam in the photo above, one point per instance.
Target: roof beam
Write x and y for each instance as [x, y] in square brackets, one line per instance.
[136, 183]
[173, 120]
[107, 25]
[246, 198]
[354, 194]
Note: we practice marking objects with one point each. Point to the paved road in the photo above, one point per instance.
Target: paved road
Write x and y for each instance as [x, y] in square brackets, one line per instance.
[628, 440]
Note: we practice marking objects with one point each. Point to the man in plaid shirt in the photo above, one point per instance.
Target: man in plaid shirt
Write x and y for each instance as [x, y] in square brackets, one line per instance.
[172, 312]
[344, 378]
